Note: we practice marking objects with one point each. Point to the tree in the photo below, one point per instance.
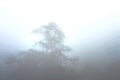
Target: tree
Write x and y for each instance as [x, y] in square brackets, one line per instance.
[53, 41]
[52, 65]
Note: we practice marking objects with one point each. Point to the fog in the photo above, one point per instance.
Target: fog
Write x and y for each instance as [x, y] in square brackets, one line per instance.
[90, 49]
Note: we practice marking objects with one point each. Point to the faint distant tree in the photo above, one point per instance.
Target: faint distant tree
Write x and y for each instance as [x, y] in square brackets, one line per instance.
[53, 39]
[47, 63]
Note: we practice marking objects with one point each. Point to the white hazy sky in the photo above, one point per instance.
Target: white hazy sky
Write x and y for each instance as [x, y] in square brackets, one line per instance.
[82, 20]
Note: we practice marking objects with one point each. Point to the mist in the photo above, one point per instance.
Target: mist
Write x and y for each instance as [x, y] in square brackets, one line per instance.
[59, 40]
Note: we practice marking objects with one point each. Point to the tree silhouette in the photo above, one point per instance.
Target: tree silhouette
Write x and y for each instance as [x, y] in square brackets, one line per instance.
[48, 63]
[53, 41]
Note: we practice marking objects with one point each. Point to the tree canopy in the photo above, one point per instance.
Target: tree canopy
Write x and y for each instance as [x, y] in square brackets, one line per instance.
[53, 41]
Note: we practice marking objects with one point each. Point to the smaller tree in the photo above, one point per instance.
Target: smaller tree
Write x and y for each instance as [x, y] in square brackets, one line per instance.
[53, 41]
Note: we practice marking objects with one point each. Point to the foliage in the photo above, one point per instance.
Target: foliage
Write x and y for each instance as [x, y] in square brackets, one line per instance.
[50, 61]
[53, 41]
